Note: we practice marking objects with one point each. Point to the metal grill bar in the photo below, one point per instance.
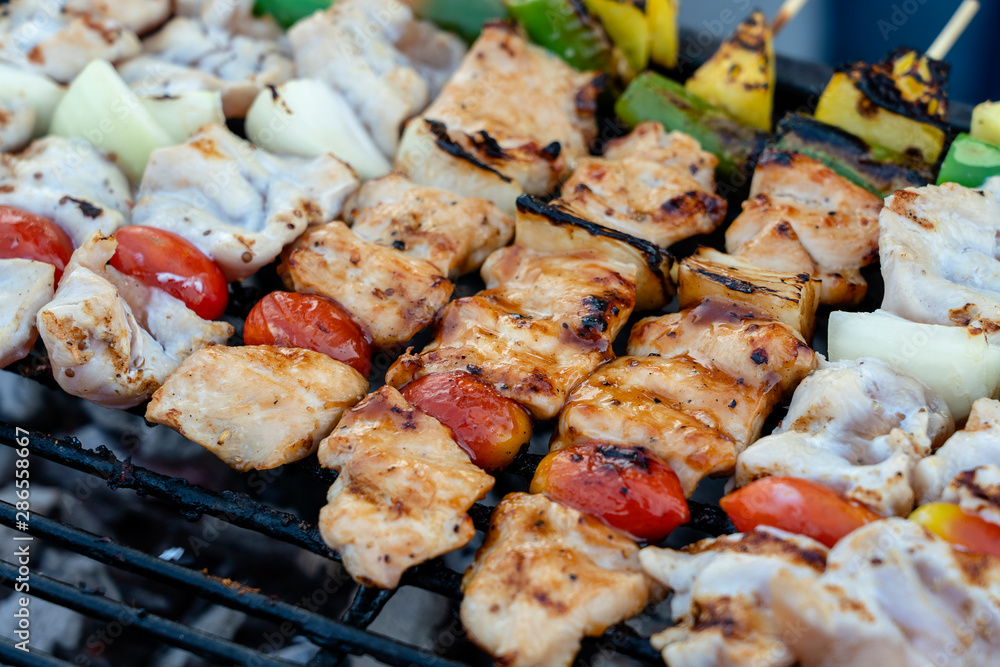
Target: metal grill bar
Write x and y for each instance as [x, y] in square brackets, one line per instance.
[238, 509]
[320, 630]
[15, 657]
[176, 634]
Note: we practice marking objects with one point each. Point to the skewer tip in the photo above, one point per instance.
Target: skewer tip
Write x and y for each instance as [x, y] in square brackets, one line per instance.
[956, 25]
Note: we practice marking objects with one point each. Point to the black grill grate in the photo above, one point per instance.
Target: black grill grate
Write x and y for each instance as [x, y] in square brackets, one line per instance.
[336, 637]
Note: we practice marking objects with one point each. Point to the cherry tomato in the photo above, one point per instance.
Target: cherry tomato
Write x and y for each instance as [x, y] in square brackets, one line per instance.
[625, 487]
[163, 259]
[964, 530]
[489, 426]
[289, 319]
[797, 506]
[25, 235]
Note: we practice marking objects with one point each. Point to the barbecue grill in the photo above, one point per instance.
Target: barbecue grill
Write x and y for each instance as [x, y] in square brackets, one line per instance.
[799, 85]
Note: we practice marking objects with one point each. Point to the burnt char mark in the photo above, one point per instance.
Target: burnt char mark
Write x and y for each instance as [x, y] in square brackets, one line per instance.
[451, 147]
[735, 284]
[759, 356]
[86, 208]
[967, 480]
[637, 457]
[552, 151]
[877, 84]
[655, 256]
[586, 99]
[696, 202]
[489, 146]
[782, 158]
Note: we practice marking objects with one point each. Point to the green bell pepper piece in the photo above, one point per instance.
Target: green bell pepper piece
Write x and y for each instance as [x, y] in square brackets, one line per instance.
[878, 170]
[970, 162]
[465, 17]
[654, 97]
[565, 28]
[287, 12]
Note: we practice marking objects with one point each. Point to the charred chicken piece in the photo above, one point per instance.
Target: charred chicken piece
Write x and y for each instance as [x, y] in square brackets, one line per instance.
[390, 294]
[257, 407]
[721, 592]
[112, 339]
[803, 203]
[404, 489]
[513, 119]
[546, 577]
[453, 233]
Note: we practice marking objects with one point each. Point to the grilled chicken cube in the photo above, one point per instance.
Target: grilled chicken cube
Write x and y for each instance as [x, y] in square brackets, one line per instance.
[25, 286]
[514, 118]
[755, 349]
[69, 182]
[221, 48]
[585, 291]
[139, 16]
[547, 324]
[237, 203]
[554, 230]
[722, 590]
[652, 186]
[695, 417]
[391, 295]
[257, 407]
[404, 489]
[389, 74]
[833, 220]
[938, 247]
[892, 594]
[547, 576]
[632, 401]
[858, 427]
[977, 444]
[714, 375]
[453, 233]
[682, 152]
[112, 339]
[787, 297]
[58, 40]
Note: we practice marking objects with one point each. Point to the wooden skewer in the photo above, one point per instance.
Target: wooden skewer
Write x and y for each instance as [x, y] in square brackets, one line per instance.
[784, 16]
[956, 25]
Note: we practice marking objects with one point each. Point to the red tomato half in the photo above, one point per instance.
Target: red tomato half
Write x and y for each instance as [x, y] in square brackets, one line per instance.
[797, 506]
[165, 260]
[625, 487]
[25, 235]
[289, 319]
[489, 426]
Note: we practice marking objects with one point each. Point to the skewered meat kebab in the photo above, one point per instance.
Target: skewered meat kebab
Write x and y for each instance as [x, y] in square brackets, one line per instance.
[591, 278]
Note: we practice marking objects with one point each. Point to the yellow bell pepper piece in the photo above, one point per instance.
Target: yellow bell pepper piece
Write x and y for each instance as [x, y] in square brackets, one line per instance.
[663, 33]
[627, 26]
[740, 76]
